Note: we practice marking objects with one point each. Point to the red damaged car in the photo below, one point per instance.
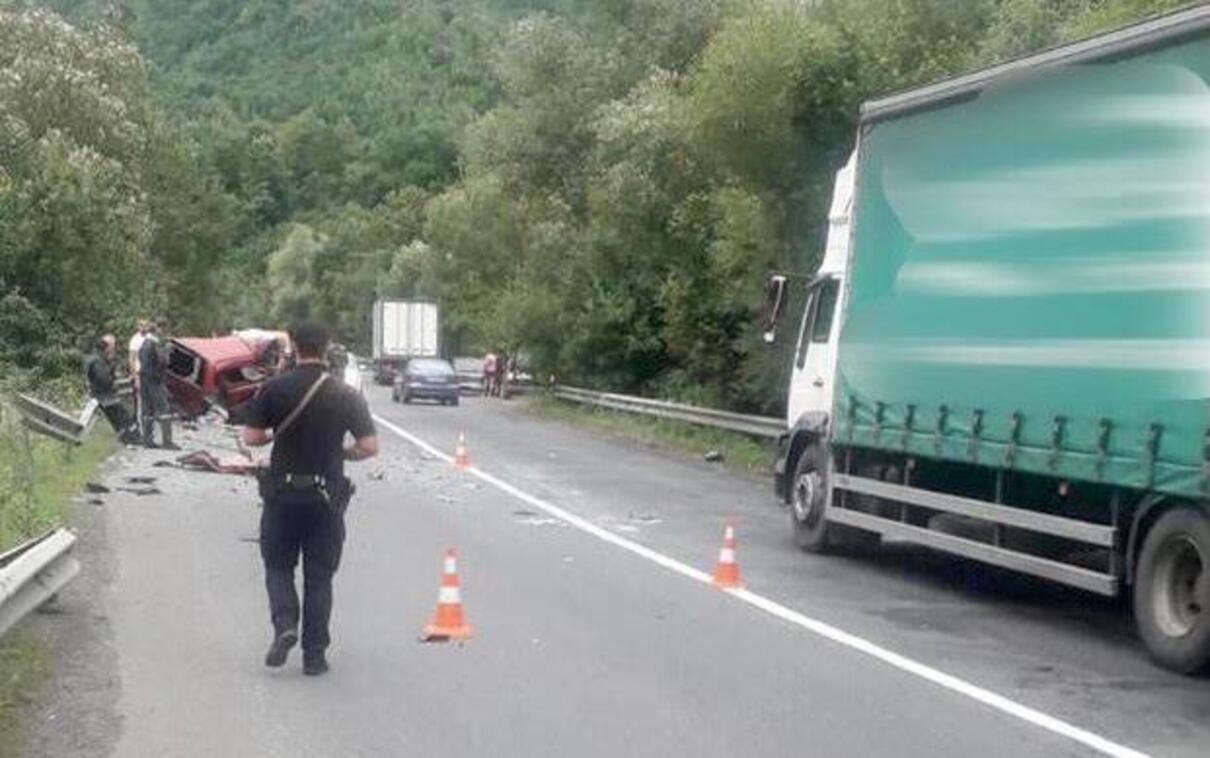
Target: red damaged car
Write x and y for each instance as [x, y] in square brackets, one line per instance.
[221, 372]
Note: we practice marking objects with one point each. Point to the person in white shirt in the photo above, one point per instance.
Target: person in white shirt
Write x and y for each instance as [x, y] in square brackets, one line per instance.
[132, 360]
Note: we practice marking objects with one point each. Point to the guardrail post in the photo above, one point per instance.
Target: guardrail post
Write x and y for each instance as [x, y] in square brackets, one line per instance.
[25, 515]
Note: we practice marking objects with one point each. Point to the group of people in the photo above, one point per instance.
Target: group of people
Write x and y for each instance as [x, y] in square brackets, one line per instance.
[146, 364]
[307, 414]
[497, 370]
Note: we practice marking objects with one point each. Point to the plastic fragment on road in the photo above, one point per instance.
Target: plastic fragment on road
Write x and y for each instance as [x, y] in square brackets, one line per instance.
[141, 490]
[202, 460]
[645, 518]
[532, 518]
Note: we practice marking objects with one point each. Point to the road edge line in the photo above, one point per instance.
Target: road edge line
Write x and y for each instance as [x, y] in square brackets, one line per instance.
[950, 682]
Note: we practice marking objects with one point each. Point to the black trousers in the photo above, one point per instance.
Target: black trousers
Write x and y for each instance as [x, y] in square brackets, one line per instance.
[294, 524]
[120, 420]
[153, 404]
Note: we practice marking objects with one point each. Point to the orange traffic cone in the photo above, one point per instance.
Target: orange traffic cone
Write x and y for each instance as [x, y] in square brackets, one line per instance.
[462, 459]
[448, 623]
[726, 573]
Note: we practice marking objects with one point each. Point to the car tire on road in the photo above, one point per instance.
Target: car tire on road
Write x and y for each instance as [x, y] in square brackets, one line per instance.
[455, 401]
[1172, 590]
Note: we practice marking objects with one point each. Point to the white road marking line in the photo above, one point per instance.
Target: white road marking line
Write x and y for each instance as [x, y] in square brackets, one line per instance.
[773, 608]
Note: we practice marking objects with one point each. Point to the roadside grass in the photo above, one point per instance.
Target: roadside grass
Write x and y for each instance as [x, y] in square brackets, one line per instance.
[24, 667]
[37, 483]
[740, 452]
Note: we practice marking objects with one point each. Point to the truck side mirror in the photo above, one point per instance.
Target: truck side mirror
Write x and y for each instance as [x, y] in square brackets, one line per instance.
[775, 302]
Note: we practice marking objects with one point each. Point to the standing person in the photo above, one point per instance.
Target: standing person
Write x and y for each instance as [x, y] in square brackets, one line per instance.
[490, 364]
[132, 361]
[153, 402]
[99, 374]
[305, 490]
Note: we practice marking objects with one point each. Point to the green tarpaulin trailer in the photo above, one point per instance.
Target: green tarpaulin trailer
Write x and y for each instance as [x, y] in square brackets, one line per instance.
[1022, 338]
[1030, 284]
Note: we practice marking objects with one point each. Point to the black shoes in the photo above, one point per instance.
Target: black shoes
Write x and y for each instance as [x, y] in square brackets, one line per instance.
[280, 649]
[315, 663]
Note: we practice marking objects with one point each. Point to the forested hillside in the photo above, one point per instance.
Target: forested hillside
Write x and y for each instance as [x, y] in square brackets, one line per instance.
[604, 185]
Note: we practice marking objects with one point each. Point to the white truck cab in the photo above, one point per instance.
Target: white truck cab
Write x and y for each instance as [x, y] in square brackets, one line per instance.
[814, 368]
[813, 371]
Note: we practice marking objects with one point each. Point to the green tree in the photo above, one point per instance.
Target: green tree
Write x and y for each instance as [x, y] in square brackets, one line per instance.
[291, 274]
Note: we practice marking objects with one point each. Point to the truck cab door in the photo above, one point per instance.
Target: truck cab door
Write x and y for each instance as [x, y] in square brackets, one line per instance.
[814, 360]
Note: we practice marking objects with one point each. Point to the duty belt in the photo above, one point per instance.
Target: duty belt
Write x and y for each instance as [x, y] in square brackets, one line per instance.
[303, 481]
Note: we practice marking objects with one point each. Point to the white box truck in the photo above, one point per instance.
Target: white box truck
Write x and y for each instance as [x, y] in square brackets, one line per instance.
[403, 329]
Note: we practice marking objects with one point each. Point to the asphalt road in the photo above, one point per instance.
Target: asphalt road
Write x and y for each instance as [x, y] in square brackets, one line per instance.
[593, 638]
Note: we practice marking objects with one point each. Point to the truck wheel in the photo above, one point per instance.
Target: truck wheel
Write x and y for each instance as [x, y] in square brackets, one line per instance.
[1172, 590]
[808, 500]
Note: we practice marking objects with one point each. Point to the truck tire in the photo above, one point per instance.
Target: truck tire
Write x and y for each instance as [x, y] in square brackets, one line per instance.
[1172, 590]
[808, 501]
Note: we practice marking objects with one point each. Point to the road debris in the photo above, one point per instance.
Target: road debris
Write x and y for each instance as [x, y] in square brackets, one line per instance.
[532, 518]
[645, 518]
[96, 488]
[141, 490]
[203, 460]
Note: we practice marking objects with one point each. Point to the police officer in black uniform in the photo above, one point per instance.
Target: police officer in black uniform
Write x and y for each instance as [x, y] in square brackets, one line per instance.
[305, 491]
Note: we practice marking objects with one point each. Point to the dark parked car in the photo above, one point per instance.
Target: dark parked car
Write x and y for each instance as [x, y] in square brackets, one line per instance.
[429, 379]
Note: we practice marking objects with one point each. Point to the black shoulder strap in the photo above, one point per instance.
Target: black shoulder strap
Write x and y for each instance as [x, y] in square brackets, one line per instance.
[302, 405]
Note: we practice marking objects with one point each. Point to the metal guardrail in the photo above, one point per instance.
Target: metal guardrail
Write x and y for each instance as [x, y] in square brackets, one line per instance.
[757, 426]
[47, 420]
[32, 573]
